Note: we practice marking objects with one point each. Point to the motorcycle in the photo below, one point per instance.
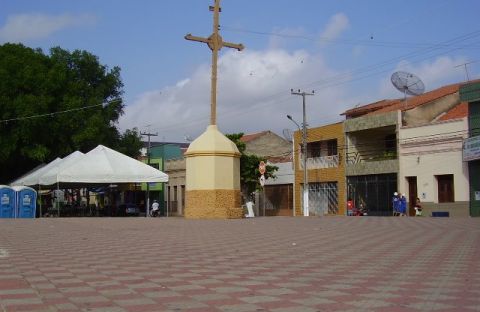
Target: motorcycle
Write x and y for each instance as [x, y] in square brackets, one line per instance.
[155, 212]
[361, 211]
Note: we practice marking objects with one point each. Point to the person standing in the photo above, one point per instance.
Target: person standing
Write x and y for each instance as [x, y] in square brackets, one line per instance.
[396, 204]
[403, 205]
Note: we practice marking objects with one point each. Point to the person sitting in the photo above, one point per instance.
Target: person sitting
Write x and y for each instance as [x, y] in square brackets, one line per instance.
[350, 207]
[418, 208]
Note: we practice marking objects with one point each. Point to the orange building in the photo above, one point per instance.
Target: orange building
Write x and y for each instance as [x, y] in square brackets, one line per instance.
[325, 170]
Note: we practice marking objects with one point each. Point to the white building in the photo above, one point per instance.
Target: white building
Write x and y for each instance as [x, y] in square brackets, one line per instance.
[431, 166]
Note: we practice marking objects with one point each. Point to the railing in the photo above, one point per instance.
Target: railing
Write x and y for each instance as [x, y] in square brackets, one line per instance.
[321, 162]
[356, 157]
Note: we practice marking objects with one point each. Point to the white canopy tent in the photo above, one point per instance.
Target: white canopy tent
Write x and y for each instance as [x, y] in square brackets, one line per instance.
[49, 176]
[104, 165]
[34, 177]
[101, 165]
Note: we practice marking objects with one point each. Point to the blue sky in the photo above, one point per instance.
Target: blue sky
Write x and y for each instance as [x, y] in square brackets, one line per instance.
[344, 50]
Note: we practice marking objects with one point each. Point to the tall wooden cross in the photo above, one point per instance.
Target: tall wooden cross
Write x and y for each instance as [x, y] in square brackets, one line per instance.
[215, 43]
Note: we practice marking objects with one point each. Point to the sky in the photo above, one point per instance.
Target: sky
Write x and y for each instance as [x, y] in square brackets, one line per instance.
[343, 51]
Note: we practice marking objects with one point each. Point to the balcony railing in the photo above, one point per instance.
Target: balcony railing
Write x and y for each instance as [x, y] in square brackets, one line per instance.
[356, 157]
[320, 162]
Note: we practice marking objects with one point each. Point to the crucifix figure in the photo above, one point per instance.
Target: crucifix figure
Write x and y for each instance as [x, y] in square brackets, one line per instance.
[215, 43]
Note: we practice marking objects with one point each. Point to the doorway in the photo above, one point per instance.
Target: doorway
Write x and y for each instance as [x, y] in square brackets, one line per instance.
[412, 195]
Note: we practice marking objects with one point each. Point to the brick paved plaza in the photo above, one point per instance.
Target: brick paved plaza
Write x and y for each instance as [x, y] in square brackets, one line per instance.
[261, 264]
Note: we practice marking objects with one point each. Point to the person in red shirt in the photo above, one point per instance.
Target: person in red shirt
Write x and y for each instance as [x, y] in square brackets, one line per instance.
[350, 207]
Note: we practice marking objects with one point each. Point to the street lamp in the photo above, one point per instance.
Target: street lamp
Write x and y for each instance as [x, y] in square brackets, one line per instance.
[305, 179]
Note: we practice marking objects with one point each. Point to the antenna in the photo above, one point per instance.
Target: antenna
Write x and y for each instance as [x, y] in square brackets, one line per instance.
[466, 69]
[287, 134]
[407, 83]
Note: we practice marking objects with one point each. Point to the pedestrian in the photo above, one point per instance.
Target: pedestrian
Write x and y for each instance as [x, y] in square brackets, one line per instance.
[403, 205]
[396, 204]
[418, 208]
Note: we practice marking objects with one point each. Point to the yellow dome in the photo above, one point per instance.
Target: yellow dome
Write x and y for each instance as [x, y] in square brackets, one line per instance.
[212, 142]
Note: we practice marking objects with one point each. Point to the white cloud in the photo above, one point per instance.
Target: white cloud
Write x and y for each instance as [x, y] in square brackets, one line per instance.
[336, 25]
[22, 27]
[253, 95]
[253, 92]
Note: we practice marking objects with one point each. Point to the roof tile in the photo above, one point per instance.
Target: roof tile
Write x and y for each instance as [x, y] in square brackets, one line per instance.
[459, 111]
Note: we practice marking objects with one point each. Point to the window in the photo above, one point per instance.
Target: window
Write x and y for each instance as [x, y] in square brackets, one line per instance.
[155, 165]
[445, 188]
[314, 149]
[183, 195]
[322, 148]
[332, 147]
[391, 143]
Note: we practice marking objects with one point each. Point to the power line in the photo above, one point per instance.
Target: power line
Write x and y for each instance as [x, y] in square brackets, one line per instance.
[356, 74]
[387, 44]
[340, 79]
[52, 114]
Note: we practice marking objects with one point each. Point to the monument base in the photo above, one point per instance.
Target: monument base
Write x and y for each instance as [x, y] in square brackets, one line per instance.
[213, 204]
[213, 177]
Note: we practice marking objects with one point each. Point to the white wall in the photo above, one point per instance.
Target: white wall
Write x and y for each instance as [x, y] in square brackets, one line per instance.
[285, 174]
[430, 150]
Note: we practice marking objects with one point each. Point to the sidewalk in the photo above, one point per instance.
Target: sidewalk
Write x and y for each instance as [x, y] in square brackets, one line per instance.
[258, 264]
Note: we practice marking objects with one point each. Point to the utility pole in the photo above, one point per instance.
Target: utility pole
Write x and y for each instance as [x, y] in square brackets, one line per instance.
[148, 134]
[304, 144]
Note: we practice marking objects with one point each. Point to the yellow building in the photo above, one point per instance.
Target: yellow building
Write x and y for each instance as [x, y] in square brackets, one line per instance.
[326, 171]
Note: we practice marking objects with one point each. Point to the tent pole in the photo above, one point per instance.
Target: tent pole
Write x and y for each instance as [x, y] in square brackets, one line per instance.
[40, 196]
[168, 202]
[58, 201]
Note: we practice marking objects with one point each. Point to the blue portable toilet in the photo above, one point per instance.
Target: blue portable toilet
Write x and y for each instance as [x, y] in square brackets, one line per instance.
[7, 202]
[26, 201]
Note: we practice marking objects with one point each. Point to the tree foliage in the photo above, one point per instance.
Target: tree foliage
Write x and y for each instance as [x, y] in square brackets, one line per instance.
[52, 105]
[249, 173]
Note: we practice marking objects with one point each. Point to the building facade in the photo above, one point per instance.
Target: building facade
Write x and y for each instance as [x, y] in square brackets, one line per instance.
[160, 155]
[325, 171]
[371, 161]
[266, 144]
[411, 146]
[279, 191]
[471, 146]
[175, 189]
[431, 167]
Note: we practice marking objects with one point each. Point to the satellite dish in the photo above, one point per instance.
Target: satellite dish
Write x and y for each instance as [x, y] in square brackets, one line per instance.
[407, 83]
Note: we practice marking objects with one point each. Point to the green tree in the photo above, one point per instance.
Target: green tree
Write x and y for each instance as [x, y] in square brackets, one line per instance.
[52, 105]
[130, 143]
[249, 173]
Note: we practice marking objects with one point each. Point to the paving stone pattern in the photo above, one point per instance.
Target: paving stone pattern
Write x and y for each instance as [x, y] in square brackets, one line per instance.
[277, 264]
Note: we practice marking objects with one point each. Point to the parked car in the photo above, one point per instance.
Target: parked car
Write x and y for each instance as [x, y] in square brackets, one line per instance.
[128, 210]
